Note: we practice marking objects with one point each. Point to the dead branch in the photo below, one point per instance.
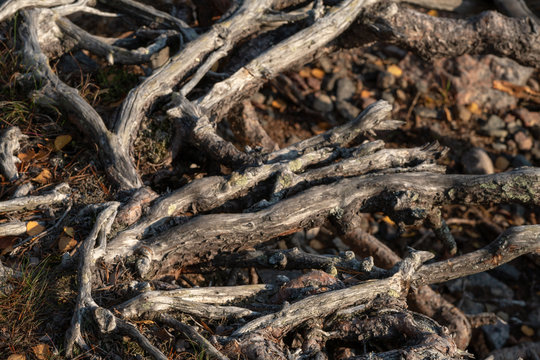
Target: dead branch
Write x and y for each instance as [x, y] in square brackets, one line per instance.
[193, 335]
[113, 54]
[10, 7]
[84, 297]
[422, 299]
[296, 49]
[241, 24]
[14, 228]
[514, 242]
[428, 36]
[55, 196]
[231, 232]
[195, 301]
[115, 158]
[9, 146]
[321, 305]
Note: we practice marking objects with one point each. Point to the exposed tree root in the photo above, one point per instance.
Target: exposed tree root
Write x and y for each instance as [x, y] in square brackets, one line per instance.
[269, 194]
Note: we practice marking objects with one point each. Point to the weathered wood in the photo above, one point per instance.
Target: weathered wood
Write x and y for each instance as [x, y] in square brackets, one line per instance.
[9, 145]
[204, 236]
[115, 158]
[428, 36]
[57, 195]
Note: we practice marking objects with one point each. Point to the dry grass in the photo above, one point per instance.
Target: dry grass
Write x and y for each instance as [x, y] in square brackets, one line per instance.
[23, 310]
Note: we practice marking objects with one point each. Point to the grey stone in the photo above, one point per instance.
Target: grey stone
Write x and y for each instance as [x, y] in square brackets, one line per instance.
[482, 285]
[258, 98]
[345, 89]
[499, 146]
[385, 80]
[495, 127]
[477, 161]
[347, 110]
[323, 103]
[520, 160]
[463, 113]
[506, 272]
[497, 335]
[426, 112]
[387, 96]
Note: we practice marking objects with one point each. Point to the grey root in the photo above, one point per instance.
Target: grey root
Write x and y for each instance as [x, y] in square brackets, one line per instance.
[326, 179]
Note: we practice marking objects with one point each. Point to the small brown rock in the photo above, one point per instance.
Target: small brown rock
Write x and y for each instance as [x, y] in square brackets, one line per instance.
[502, 163]
[523, 141]
[463, 113]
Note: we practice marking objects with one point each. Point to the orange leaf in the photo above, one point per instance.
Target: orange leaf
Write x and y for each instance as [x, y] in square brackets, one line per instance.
[61, 141]
[42, 351]
[69, 231]
[279, 104]
[304, 73]
[475, 109]
[433, 13]
[66, 243]
[365, 94]
[44, 177]
[27, 156]
[16, 357]
[395, 70]
[33, 228]
[527, 330]
[317, 73]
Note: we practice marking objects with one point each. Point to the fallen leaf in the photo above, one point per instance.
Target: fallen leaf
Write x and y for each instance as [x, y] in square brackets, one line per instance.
[317, 73]
[42, 351]
[33, 228]
[395, 70]
[61, 141]
[305, 73]
[527, 330]
[433, 13]
[44, 177]
[16, 357]
[6, 244]
[475, 109]
[66, 243]
[69, 231]
[365, 94]
[279, 104]
[27, 156]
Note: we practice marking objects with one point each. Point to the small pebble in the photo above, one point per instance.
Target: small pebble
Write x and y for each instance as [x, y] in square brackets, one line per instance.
[347, 110]
[502, 163]
[477, 161]
[385, 80]
[520, 160]
[463, 113]
[523, 141]
[346, 89]
[323, 103]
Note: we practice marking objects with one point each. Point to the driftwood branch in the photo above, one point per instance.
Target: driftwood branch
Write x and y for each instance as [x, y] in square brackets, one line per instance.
[428, 36]
[182, 244]
[57, 195]
[9, 146]
[115, 158]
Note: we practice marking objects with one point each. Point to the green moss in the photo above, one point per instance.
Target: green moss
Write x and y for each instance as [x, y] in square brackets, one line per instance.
[238, 179]
[285, 181]
[296, 165]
